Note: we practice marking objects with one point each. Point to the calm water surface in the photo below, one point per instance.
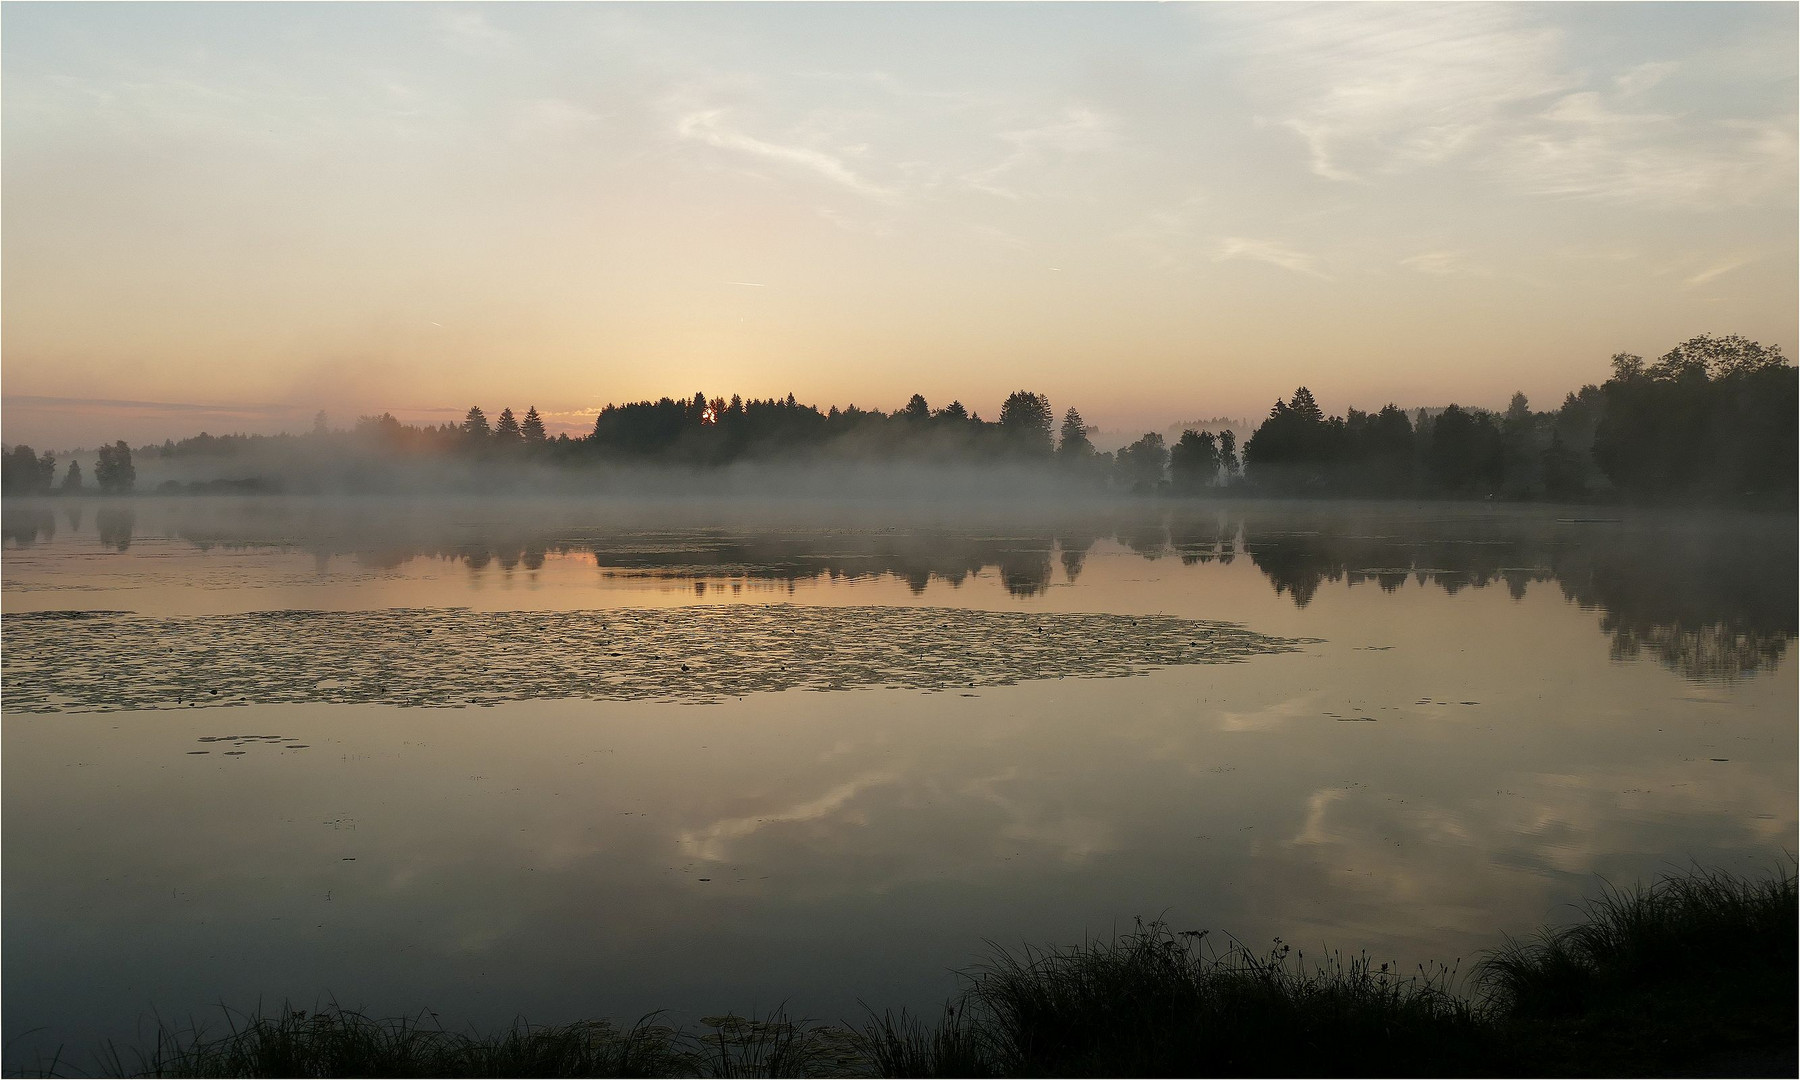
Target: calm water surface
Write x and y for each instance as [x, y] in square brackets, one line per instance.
[567, 761]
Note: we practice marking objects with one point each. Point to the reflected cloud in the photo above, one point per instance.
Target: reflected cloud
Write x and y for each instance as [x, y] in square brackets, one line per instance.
[713, 842]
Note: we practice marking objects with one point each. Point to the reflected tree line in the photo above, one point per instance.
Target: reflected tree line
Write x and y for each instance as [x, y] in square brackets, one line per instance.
[1709, 597]
[1713, 419]
[27, 525]
[1709, 600]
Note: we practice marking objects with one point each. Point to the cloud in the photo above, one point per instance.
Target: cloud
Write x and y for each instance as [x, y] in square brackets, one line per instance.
[1376, 91]
[1644, 76]
[1588, 148]
[1442, 263]
[467, 30]
[1271, 252]
[1372, 90]
[119, 403]
[862, 225]
[1079, 131]
[1000, 237]
[1166, 233]
[551, 118]
[1717, 271]
[708, 126]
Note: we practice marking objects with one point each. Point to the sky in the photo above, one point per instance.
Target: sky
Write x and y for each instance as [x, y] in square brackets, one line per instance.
[228, 217]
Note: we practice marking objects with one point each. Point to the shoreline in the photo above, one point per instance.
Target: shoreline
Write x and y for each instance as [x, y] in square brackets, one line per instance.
[1690, 975]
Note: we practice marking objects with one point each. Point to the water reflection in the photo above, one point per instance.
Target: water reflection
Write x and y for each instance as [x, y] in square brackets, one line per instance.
[1022, 562]
[1709, 598]
[115, 526]
[1706, 599]
[1456, 758]
[24, 526]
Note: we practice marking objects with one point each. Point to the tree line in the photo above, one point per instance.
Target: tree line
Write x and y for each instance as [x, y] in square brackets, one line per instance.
[25, 472]
[1714, 418]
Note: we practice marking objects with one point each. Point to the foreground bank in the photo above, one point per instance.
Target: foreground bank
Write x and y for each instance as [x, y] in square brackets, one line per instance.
[1692, 975]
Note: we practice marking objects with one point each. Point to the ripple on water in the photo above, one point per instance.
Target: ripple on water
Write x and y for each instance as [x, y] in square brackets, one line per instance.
[456, 657]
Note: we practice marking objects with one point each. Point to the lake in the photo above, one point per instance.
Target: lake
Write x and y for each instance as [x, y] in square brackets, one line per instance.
[565, 759]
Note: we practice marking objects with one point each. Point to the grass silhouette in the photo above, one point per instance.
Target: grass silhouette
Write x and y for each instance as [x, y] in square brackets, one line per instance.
[1694, 972]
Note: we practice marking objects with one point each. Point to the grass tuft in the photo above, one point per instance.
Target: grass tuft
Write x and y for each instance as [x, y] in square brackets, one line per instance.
[1155, 1002]
[1703, 926]
[903, 1045]
[1695, 964]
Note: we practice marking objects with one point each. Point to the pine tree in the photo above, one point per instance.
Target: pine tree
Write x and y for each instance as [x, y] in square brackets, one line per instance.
[475, 424]
[1075, 442]
[506, 432]
[532, 430]
[1303, 404]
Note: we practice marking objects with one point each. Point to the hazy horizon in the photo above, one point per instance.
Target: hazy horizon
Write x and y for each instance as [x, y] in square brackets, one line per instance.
[229, 217]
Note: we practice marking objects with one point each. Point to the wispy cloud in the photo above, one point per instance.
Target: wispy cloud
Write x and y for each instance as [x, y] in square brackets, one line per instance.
[1166, 233]
[1271, 252]
[1079, 130]
[118, 403]
[876, 224]
[551, 118]
[1442, 263]
[1589, 148]
[1717, 271]
[1000, 237]
[467, 29]
[708, 126]
[1643, 77]
[1373, 91]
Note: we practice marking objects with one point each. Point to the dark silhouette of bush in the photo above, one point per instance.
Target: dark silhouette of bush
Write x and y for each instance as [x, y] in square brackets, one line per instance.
[1464, 453]
[1194, 461]
[23, 472]
[113, 472]
[1142, 465]
[1026, 421]
[1714, 418]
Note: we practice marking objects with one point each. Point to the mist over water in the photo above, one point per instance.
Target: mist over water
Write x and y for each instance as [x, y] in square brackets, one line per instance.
[1704, 592]
[719, 753]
